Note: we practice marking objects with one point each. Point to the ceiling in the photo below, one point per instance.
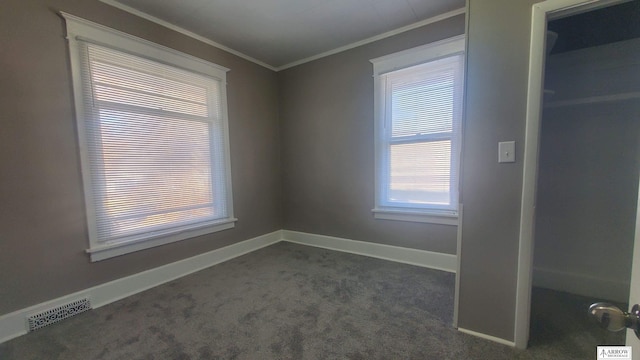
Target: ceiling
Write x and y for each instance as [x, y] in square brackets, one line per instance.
[281, 33]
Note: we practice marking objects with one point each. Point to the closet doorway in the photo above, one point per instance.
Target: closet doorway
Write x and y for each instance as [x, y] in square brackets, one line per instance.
[588, 167]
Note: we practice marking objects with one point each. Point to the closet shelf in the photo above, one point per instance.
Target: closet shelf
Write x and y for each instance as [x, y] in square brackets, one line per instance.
[593, 100]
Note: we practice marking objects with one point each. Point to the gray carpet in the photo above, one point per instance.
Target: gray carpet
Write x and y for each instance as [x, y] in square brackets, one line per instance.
[559, 322]
[286, 301]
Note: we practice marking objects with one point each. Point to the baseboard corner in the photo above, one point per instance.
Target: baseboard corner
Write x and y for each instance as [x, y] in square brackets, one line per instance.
[488, 337]
[422, 258]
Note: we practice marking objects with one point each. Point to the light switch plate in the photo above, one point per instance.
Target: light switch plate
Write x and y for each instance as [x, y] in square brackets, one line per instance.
[507, 151]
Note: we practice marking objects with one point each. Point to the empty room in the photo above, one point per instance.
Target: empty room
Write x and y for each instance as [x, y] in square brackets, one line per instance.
[309, 179]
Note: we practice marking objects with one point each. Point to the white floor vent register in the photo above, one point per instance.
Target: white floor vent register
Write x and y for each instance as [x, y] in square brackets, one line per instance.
[56, 314]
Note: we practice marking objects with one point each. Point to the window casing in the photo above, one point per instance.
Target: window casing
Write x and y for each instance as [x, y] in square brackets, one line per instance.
[418, 114]
[153, 135]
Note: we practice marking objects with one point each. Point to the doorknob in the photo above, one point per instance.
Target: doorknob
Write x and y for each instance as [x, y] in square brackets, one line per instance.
[612, 318]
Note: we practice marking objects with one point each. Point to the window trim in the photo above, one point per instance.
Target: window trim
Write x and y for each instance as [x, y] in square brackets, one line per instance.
[79, 29]
[398, 61]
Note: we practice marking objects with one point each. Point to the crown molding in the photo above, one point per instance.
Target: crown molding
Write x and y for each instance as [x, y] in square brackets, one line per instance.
[391, 33]
[186, 32]
[337, 50]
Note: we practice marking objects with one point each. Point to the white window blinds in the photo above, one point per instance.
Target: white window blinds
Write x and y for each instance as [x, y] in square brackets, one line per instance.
[155, 146]
[418, 120]
[422, 111]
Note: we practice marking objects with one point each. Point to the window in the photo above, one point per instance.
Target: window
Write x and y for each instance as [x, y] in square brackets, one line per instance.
[153, 135]
[418, 110]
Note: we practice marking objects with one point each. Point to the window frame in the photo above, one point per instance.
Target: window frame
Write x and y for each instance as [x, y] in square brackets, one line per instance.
[382, 119]
[81, 30]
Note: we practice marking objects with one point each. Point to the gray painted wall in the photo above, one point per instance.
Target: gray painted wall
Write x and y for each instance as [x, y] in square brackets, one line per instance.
[588, 173]
[498, 61]
[328, 146]
[42, 221]
[326, 135]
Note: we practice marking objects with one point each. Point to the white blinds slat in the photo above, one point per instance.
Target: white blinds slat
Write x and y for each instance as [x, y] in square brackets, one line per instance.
[420, 173]
[152, 141]
[423, 113]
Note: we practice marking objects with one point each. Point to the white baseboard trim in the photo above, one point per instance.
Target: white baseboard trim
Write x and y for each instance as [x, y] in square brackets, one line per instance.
[581, 284]
[428, 259]
[15, 324]
[488, 337]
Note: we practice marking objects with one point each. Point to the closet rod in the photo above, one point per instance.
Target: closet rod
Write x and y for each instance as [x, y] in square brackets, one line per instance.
[593, 100]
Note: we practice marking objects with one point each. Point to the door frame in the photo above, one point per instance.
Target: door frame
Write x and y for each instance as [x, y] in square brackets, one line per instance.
[541, 13]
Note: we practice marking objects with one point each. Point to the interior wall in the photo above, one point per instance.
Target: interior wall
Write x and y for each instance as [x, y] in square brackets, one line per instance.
[499, 33]
[588, 173]
[328, 146]
[327, 154]
[43, 231]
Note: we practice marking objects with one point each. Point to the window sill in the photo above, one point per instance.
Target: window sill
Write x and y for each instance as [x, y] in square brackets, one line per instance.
[105, 251]
[428, 216]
